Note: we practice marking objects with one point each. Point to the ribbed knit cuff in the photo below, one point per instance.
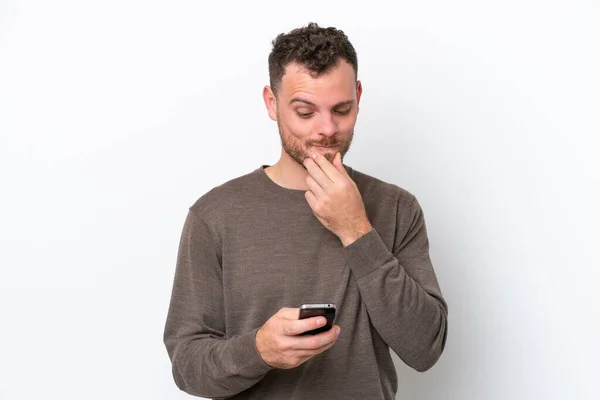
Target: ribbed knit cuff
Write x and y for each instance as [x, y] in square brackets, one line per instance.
[251, 364]
[366, 254]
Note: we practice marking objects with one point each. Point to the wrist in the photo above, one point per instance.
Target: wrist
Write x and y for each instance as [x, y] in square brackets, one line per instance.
[356, 233]
[260, 349]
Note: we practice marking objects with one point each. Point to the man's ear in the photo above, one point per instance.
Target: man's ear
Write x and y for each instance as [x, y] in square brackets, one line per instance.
[270, 102]
[358, 93]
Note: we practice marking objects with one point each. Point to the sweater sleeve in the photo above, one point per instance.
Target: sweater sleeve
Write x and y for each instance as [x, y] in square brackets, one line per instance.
[400, 289]
[206, 362]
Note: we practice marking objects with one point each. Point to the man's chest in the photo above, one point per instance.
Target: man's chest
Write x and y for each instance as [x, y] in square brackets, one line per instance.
[267, 266]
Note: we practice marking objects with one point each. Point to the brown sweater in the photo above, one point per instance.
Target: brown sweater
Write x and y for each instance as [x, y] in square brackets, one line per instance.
[250, 247]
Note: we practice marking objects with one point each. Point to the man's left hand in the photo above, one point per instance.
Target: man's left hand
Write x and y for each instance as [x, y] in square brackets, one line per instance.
[335, 199]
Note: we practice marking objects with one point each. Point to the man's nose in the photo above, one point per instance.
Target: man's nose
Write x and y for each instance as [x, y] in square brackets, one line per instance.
[327, 125]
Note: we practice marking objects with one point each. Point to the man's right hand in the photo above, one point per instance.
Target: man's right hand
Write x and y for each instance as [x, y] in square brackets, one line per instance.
[280, 346]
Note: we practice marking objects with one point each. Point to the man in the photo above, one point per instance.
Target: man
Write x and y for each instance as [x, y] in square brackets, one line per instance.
[308, 229]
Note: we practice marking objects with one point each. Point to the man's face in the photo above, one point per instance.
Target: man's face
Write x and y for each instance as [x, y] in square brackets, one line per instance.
[314, 112]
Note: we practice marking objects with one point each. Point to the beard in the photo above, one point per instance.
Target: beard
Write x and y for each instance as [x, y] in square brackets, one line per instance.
[300, 152]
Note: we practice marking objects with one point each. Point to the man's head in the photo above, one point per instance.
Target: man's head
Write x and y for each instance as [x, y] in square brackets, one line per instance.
[314, 92]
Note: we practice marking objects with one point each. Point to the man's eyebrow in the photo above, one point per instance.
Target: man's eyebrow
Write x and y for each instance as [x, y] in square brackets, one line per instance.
[301, 100]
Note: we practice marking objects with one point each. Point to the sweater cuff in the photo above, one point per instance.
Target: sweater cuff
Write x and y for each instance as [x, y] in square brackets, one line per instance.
[366, 254]
[251, 364]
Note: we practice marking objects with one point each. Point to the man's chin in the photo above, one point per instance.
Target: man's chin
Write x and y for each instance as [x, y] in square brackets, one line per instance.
[299, 159]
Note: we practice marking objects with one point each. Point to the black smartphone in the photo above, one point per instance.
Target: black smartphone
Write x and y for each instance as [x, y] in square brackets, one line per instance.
[326, 310]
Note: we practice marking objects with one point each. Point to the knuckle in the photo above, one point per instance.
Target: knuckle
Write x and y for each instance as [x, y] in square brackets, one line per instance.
[284, 345]
[286, 330]
[291, 329]
[277, 343]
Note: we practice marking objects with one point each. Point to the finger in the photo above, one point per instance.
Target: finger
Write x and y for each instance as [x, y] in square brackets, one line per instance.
[317, 341]
[315, 187]
[311, 199]
[298, 326]
[314, 352]
[326, 346]
[337, 162]
[289, 313]
[317, 173]
[328, 168]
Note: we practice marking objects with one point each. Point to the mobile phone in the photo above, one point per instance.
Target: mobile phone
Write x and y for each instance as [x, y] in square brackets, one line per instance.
[326, 310]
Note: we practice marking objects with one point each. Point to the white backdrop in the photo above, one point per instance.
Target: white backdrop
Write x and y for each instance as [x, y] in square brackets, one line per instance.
[115, 116]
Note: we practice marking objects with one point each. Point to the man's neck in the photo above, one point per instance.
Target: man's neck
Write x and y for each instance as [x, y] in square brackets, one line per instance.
[288, 173]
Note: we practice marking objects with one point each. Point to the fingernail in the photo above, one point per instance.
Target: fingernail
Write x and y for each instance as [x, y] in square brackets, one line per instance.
[321, 321]
[313, 155]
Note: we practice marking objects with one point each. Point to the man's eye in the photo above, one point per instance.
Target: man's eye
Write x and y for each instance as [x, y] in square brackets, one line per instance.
[342, 112]
[304, 115]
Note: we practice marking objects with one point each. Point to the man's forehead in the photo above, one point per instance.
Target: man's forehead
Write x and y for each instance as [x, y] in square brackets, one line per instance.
[338, 84]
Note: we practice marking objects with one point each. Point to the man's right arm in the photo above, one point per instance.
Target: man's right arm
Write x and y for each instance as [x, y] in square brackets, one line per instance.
[205, 362]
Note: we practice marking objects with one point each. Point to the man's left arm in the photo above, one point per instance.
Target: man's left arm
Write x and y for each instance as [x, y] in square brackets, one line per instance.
[400, 289]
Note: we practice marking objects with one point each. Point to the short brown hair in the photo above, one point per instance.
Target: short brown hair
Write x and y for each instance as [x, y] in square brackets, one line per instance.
[316, 48]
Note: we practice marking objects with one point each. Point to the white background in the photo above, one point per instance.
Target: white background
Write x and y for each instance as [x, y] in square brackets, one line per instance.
[115, 116]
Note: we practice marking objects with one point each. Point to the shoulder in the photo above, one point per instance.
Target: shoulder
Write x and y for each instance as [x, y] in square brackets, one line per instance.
[212, 205]
[375, 190]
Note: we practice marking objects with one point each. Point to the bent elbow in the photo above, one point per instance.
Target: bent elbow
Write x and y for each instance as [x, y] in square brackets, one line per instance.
[194, 388]
[427, 364]
[432, 353]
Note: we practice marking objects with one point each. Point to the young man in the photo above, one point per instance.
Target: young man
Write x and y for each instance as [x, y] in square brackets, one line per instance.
[308, 229]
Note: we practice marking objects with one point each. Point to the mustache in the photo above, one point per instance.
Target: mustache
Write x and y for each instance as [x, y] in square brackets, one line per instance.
[326, 144]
